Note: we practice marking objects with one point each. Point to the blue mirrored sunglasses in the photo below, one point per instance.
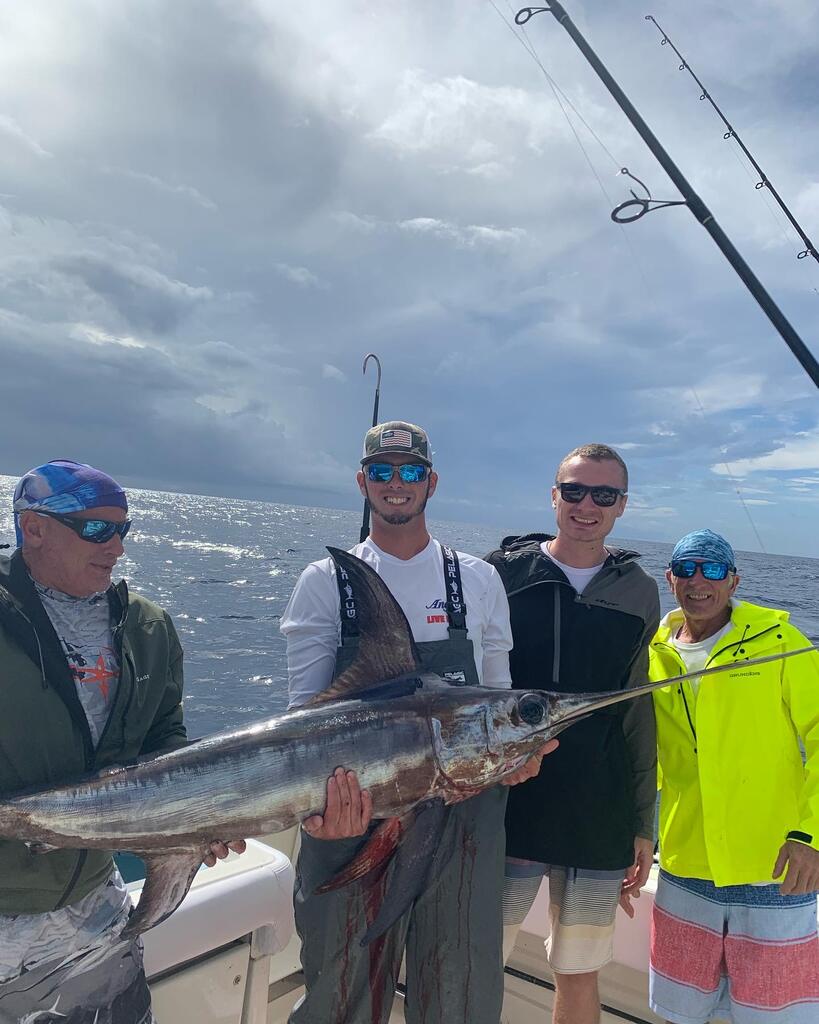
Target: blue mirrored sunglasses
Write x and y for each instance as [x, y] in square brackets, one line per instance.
[382, 472]
[97, 531]
[685, 568]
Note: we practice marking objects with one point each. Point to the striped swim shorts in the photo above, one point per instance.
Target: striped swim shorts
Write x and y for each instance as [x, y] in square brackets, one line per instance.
[582, 906]
[742, 953]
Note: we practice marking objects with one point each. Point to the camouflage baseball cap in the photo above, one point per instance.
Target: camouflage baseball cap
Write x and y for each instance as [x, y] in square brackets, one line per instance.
[396, 438]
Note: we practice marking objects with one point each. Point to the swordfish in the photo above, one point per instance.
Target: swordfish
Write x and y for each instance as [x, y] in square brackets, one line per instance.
[416, 743]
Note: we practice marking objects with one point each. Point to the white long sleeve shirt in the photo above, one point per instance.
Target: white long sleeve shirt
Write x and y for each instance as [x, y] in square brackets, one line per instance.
[312, 622]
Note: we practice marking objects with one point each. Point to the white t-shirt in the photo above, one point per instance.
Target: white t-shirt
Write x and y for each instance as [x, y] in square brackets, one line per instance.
[695, 655]
[579, 578]
[312, 622]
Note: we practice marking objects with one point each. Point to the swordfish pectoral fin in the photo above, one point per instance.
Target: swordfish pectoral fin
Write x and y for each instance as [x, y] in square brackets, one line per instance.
[168, 878]
[378, 849]
[411, 867]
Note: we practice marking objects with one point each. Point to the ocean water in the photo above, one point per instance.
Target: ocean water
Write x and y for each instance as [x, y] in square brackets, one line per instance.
[224, 569]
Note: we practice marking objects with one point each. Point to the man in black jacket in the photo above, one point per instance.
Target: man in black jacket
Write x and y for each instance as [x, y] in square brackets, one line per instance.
[582, 617]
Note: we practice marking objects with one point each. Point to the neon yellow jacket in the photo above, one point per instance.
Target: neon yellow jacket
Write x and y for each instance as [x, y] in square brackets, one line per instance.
[733, 783]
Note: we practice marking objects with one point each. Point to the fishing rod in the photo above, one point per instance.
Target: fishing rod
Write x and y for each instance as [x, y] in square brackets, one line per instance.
[691, 199]
[365, 522]
[764, 180]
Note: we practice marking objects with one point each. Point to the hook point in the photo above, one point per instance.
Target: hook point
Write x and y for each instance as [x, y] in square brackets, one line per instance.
[367, 358]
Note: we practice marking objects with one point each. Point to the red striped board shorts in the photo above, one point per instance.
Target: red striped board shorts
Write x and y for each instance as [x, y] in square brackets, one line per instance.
[743, 953]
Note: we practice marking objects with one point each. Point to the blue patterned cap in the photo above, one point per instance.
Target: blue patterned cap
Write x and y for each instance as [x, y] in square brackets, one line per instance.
[705, 544]
[64, 486]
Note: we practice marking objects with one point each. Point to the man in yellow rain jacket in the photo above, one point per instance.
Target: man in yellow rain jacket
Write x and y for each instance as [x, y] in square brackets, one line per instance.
[734, 928]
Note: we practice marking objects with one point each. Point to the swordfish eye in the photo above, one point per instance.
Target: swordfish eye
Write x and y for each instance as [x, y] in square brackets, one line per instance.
[531, 709]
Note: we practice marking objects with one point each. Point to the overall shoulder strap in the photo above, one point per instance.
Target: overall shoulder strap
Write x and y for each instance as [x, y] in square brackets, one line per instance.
[347, 605]
[455, 606]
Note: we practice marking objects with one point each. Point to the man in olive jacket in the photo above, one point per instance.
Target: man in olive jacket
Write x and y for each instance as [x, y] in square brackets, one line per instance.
[90, 676]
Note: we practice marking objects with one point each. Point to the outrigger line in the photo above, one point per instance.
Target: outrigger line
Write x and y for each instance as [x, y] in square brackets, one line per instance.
[764, 181]
[690, 198]
[365, 522]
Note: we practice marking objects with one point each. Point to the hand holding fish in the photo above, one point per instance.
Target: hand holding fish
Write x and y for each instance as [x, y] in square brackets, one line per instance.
[348, 810]
[530, 768]
[802, 862]
[220, 850]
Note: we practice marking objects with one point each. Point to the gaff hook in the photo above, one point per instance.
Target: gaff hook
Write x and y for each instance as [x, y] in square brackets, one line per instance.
[367, 358]
[365, 520]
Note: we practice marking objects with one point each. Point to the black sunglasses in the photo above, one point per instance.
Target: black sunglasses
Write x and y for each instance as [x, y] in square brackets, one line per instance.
[602, 496]
[97, 531]
[686, 568]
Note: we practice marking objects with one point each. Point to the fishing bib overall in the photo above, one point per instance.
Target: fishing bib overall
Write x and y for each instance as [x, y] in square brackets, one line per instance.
[452, 933]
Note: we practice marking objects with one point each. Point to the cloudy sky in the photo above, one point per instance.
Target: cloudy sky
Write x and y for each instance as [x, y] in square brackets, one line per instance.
[212, 210]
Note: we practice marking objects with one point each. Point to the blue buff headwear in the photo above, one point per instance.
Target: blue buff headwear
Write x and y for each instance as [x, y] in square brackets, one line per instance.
[64, 486]
[704, 544]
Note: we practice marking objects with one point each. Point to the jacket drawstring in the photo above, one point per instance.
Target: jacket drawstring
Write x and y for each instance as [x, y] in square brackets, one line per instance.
[741, 640]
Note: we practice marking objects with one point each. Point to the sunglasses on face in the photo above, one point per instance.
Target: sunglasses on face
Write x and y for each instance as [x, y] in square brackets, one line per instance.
[97, 531]
[410, 472]
[685, 568]
[603, 496]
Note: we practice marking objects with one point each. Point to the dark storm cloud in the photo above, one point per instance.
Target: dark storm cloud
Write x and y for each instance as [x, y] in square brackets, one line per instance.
[212, 210]
[145, 298]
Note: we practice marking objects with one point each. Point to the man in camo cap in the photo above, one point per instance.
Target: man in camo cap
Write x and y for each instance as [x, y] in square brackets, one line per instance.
[459, 617]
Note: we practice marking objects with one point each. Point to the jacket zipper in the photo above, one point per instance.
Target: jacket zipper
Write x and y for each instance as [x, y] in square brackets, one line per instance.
[680, 687]
[27, 620]
[556, 624]
[127, 707]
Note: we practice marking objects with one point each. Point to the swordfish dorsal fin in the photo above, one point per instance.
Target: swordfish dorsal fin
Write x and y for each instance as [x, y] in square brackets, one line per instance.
[385, 645]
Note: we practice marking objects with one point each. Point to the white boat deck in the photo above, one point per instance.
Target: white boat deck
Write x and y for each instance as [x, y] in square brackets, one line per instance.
[524, 1002]
[229, 954]
[623, 983]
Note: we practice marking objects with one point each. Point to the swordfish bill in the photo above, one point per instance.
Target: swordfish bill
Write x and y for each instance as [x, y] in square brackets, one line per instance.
[416, 744]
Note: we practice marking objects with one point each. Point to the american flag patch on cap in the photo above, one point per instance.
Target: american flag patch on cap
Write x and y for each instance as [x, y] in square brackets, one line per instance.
[396, 439]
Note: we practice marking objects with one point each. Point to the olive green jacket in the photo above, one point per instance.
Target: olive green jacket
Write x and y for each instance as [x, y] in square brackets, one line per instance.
[44, 734]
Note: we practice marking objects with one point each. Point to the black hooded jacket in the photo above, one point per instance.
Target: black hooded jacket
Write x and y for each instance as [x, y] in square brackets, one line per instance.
[597, 791]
